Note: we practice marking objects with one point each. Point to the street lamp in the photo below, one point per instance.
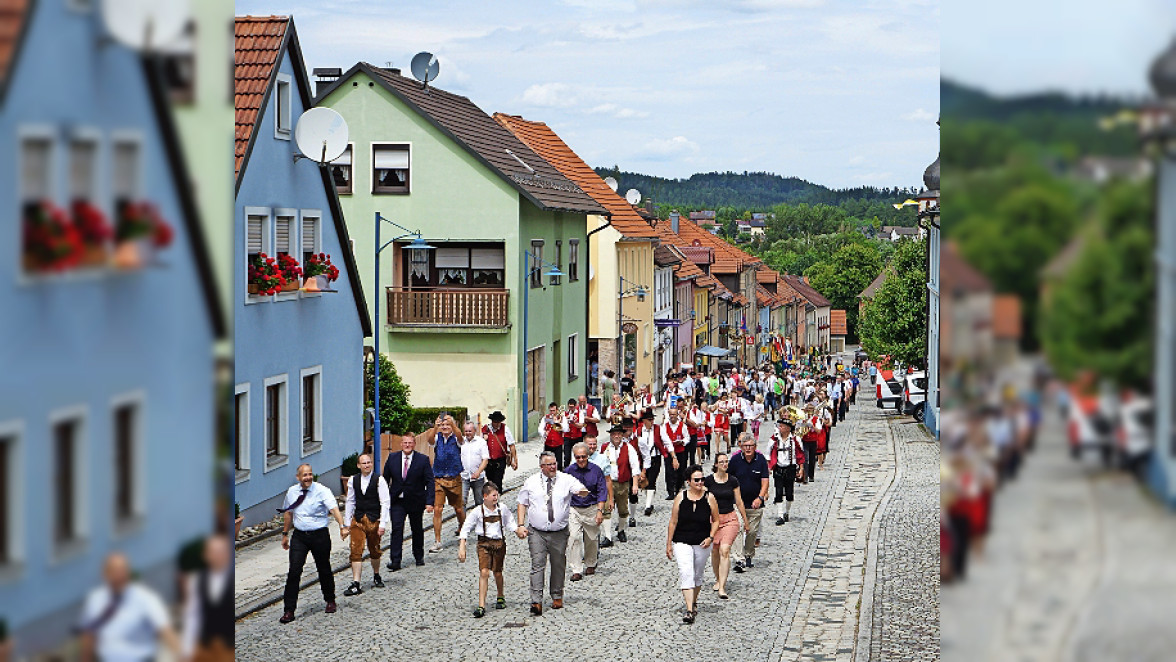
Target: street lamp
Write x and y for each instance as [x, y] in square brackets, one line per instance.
[622, 292]
[528, 271]
[417, 249]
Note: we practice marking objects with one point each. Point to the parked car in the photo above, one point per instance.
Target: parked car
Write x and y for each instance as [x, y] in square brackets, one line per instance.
[888, 390]
[914, 394]
[1133, 434]
[1090, 427]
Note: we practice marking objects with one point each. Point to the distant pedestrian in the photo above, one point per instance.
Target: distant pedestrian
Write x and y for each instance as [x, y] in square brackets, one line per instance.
[627, 382]
[649, 438]
[545, 506]
[307, 509]
[693, 525]
[608, 386]
[731, 510]
[365, 514]
[784, 459]
[491, 521]
[500, 444]
[410, 494]
[208, 608]
[123, 619]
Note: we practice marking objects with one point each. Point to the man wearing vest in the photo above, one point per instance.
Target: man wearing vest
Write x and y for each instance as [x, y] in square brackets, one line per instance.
[366, 514]
[591, 416]
[650, 443]
[552, 429]
[784, 458]
[208, 610]
[447, 470]
[575, 432]
[628, 466]
[674, 435]
[307, 509]
[501, 445]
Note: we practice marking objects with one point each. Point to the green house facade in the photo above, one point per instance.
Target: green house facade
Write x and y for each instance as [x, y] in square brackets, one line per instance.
[452, 322]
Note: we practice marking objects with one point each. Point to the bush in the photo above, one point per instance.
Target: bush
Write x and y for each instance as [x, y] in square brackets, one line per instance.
[395, 411]
[350, 465]
[421, 419]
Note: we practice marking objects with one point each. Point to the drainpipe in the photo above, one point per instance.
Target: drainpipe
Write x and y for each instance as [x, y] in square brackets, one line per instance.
[587, 304]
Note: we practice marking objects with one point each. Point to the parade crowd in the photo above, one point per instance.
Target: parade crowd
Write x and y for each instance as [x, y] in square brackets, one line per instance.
[599, 468]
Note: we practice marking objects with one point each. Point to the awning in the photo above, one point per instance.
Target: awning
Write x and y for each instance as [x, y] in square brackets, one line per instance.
[711, 350]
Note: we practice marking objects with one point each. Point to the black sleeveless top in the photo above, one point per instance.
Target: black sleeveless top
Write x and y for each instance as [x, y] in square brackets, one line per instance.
[694, 520]
[724, 492]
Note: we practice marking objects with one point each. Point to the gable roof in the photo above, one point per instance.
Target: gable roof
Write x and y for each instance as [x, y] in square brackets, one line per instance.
[837, 325]
[664, 257]
[259, 45]
[687, 270]
[875, 284]
[259, 42]
[540, 138]
[14, 15]
[957, 276]
[499, 150]
[698, 254]
[727, 258]
[806, 291]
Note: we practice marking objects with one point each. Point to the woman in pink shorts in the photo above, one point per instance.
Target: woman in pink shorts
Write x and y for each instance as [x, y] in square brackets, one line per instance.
[726, 491]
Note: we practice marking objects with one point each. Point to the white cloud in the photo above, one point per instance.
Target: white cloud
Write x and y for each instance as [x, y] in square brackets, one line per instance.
[920, 115]
[616, 111]
[676, 146]
[550, 95]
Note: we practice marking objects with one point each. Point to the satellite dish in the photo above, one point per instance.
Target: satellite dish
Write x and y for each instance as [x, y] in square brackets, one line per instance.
[425, 67]
[146, 25]
[633, 196]
[321, 135]
[612, 183]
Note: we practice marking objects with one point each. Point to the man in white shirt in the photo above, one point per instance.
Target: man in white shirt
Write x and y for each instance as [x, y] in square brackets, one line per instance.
[365, 513]
[208, 611]
[544, 506]
[475, 456]
[124, 621]
[307, 509]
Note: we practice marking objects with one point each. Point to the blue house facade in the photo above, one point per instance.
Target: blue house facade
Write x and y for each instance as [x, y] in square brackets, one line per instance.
[107, 389]
[298, 392]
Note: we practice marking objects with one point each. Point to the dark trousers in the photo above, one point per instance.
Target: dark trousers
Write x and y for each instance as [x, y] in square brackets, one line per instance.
[692, 450]
[567, 449]
[654, 469]
[842, 409]
[836, 409]
[558, 451]
[318, 544]
[810, 458]
[785, 479]
[671, 474]
[960, 534]
[678, 476]
[397, 513]
[495, 470]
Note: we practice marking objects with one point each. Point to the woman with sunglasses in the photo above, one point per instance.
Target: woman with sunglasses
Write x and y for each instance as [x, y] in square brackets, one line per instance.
[693, 525]
[725, 490]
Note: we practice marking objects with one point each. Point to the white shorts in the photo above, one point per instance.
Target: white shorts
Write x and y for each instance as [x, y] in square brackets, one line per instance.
[691, 563]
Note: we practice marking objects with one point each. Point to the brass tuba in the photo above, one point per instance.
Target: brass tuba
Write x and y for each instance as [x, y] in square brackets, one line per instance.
[799, 420]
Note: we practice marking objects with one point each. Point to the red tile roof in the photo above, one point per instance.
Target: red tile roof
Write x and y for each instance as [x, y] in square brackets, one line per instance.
[1006, 316]
[685, 270]
[540, 138]
[727, 258]
[698, 254]
[259, 41]
[764, 298]
[957, 276]
[12, 23]
[837, 326]
[806, 291]
[766, 276]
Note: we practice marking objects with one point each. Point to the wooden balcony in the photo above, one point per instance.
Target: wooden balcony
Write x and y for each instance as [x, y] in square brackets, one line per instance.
[453, 308]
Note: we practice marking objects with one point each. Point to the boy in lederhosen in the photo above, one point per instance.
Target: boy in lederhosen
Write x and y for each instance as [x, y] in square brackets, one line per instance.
[492, 523]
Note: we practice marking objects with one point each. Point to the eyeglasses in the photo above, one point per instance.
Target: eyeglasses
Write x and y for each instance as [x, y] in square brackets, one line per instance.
[697, 480]
[581, 457]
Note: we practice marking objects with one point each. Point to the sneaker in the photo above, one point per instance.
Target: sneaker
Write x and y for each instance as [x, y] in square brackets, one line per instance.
[622, 537]
[500, 603]
[354, 589]
[632, 521]
[435, 548]
[648, 511]
[377, 581]
[479, 612]
[738, 567]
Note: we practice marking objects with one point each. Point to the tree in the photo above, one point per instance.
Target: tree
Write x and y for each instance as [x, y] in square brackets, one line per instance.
[843, 275]
[395, 410]
[894, 321]
[1100, 316]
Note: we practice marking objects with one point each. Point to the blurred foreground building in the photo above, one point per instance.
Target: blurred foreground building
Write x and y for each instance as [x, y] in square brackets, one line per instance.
[110, 315]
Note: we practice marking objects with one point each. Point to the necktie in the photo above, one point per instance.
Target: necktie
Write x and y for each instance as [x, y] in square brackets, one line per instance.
[407, 460]
[550, 505]
[297, 502]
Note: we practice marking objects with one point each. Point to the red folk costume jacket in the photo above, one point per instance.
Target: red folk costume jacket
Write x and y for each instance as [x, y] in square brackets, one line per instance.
[674, 434]
[495, 441]
[589, 427]
[625, 471]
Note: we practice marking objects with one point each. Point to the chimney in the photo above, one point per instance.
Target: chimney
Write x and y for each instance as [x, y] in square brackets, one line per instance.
[674, 221]
[324, 77]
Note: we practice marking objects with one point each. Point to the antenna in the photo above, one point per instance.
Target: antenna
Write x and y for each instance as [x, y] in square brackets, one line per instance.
[321, 135]
[633, 196]
[612, 183]
[145, 25]
[425, 68]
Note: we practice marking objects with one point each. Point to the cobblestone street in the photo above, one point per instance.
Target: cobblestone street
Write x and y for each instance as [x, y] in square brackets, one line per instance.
[801, 600]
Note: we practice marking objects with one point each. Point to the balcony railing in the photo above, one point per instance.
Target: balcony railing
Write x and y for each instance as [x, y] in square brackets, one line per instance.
[465, 307]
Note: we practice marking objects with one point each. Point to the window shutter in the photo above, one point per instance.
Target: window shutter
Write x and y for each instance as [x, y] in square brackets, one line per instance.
[309, 234]
[344, 159]
[390, 157]
[283, 234]
[253, 240]
[487, 258]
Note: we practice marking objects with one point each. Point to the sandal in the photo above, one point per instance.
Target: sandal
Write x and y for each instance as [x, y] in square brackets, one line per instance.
[479, 612]
[724, 596]
[500, 603]
[689, 617]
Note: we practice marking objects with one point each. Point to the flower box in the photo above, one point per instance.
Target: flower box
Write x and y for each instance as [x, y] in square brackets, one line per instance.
[253, 288]
[94, 256]
[290, 286]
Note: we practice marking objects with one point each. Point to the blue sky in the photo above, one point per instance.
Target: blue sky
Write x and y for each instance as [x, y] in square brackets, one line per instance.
[838, 92]
[1084, 46]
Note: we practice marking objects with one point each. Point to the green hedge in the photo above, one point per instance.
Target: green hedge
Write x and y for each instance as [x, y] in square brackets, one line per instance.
[422, 418]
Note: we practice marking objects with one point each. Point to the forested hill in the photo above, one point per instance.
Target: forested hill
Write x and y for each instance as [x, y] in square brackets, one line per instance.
[756, 191]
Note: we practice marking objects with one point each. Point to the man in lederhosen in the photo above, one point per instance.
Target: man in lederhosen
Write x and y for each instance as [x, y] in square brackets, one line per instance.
[366, 514]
